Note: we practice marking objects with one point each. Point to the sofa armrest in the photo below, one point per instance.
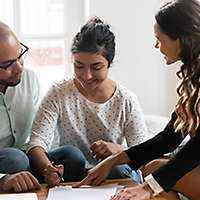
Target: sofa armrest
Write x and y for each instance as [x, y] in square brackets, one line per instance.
[155, 124]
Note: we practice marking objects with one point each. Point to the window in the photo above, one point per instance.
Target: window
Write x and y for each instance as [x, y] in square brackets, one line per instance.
[41, 25]
[45, 27]
[7, 13]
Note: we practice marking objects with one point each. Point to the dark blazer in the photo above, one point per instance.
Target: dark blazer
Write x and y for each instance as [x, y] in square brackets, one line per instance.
[167, 141]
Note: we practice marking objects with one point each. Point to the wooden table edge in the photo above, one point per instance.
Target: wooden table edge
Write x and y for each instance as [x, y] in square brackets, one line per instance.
[43, 192]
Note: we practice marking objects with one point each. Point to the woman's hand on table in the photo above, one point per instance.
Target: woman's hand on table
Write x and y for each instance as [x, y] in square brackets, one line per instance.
[139, 192]
[97, 174]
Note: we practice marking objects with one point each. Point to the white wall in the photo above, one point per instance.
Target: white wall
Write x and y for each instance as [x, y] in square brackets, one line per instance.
[138, 65]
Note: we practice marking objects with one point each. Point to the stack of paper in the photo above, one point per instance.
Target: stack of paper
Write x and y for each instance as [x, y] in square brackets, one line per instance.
[19, 196]
[85, 192]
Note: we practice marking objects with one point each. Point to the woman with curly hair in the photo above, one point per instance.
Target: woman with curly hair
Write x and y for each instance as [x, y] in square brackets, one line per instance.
[177, 29]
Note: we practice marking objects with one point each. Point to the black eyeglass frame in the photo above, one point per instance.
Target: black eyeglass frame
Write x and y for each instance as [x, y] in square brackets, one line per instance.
[19, 57]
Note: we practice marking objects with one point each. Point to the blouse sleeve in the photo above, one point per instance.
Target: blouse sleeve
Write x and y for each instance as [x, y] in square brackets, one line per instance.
[44, 125]
[135, 130]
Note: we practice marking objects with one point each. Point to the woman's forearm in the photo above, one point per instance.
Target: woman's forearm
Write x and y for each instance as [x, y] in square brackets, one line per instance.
[38, 159]
[119, 159]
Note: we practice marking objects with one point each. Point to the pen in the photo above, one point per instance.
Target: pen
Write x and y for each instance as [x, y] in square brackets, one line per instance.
[53, 163]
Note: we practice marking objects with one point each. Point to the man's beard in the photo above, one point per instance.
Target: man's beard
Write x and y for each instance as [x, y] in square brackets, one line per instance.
[9, 84]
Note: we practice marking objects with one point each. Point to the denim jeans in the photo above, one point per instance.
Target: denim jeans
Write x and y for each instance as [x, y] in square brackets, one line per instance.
[74, 165]
[124, 171]
[73, 161]
[13, 160]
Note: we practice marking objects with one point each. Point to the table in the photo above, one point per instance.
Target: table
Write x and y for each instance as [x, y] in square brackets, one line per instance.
[127, 182]
[43, 192]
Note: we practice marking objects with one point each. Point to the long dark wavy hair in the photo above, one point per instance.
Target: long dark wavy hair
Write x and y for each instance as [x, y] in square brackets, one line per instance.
[180, 19]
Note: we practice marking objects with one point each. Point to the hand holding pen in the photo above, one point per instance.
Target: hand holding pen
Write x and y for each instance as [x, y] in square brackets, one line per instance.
[53, 173]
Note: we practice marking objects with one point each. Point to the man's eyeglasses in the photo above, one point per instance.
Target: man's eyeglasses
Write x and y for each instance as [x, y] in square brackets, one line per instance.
[20, 58]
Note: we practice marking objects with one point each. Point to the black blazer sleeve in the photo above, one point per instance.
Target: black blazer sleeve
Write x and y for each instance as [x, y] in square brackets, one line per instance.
[183, 162]
[165, 142]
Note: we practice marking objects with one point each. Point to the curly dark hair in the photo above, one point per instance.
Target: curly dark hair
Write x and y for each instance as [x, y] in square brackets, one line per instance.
[95, 37]
[180, 19]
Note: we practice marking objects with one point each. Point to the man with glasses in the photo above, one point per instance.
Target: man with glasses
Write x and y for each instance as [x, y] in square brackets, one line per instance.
[19, 98]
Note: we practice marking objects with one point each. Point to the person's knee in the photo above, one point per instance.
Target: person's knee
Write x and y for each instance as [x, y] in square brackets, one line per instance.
[69, 155]
[153, 165]
[118, 172]
[73, 160]
[124, 171]
[13, 160]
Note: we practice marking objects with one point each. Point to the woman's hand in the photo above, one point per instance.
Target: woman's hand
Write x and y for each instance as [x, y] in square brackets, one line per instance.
[101, 149]
[139, 192]
[97, 174]
[51, 176]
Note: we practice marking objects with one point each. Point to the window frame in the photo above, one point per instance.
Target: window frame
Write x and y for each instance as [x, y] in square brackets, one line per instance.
[77, 10]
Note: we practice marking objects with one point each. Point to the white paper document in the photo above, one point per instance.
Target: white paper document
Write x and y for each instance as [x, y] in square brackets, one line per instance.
[19, 196]
[85, 192]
